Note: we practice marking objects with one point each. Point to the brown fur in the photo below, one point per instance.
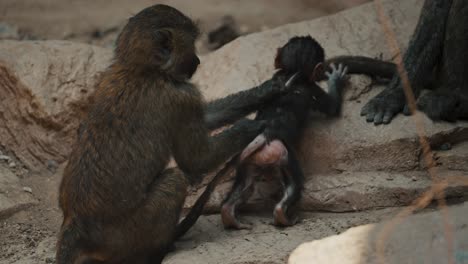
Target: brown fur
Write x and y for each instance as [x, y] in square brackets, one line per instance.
[120, 204]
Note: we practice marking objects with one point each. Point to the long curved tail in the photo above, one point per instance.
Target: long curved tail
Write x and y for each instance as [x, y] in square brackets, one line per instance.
[199, 205]
[364, 65]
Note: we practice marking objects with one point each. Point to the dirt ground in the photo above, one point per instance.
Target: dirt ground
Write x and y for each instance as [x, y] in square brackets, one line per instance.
[29, 236]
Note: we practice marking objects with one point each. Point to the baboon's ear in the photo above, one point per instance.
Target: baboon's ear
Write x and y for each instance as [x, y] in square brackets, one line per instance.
[163, 40]
[318, 72]
[278, 63]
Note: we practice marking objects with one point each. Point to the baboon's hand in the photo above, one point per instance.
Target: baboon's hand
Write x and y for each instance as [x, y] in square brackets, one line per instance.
[383, 107]
[337, 76]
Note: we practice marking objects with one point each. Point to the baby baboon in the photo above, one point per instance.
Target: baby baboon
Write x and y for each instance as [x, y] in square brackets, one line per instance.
[272, 152]
[120, 203]
[197, 209]
[375, 68]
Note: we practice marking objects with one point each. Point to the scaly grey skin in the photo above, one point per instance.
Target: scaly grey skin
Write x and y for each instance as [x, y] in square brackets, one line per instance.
[435, 59]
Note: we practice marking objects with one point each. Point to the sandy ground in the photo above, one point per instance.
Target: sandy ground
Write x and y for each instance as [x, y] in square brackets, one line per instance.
[30, 236]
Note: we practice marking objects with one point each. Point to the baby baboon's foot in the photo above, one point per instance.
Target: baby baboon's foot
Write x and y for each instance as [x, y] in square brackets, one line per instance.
[230, 221]
[281, 217]
[384, 107]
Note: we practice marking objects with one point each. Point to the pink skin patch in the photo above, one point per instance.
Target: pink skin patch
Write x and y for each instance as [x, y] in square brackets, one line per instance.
[171, 164]
[273, 153]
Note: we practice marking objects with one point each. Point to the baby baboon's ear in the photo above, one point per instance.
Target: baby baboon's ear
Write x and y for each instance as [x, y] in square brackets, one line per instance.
[163, 40]
[318, 72]
[278, 63]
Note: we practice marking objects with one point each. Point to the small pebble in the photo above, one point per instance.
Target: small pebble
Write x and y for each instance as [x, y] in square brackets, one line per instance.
[414, 178]
[4, 157]
[52, 165]
[27, 189]
[12, 165]
[446, 146]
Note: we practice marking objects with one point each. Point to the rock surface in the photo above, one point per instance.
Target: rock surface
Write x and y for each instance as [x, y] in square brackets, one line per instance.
[419, 239]
[13, 197]
[43, 88]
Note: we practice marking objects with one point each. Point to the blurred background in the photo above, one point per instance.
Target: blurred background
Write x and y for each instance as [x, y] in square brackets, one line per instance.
[99, 21]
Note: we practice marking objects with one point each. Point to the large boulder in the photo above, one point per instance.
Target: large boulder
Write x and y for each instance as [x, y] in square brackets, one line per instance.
[43, 89]
[436, 237]
[349, 164]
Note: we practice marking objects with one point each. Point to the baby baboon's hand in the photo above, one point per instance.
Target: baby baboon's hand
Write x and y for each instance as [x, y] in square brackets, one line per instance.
[337, 76]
